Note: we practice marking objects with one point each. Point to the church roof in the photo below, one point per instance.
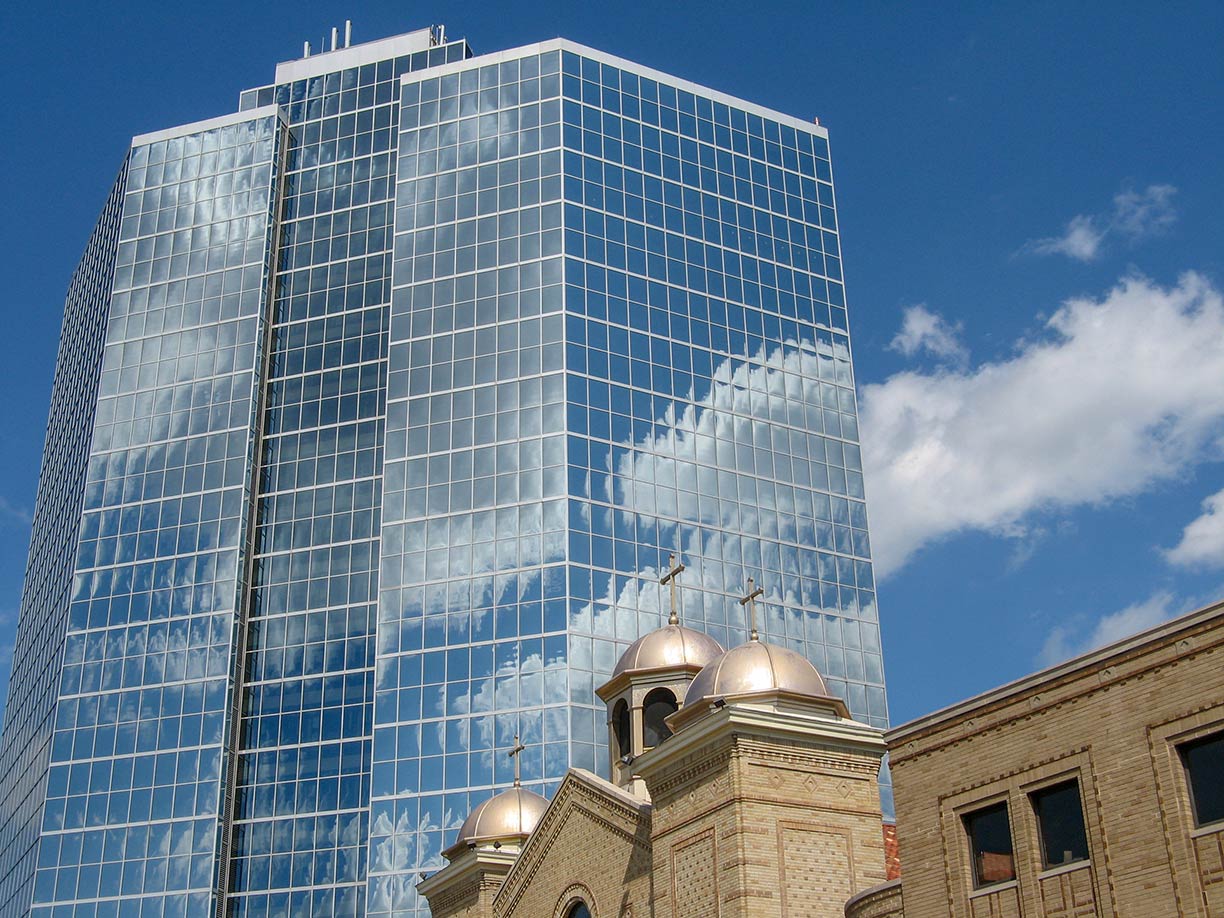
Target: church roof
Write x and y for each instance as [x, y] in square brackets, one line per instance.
[668, 647]
[513, 813]
[756, 667]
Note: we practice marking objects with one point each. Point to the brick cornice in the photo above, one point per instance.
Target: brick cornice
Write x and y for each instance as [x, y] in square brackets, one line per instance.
[1143, 656]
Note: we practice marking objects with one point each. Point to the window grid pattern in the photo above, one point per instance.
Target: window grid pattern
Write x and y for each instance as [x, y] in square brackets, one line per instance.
[38, 650]
[711, 405]
[471, 643]
[706, 356]
[303, 789]
[131, 818]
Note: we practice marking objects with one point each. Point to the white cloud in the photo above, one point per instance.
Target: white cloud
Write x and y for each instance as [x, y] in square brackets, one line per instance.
[13, 513]
[1143, 214]
[1120, 393]
[1202, 541]
[1136, 215]
[923, 330]
[1066, 641]
[1081, 240]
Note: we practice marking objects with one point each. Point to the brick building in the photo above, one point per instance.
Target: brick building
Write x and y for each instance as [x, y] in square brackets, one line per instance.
[1095, 787]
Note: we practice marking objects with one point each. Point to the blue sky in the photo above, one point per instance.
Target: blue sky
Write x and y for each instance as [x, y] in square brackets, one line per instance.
[1032, 215]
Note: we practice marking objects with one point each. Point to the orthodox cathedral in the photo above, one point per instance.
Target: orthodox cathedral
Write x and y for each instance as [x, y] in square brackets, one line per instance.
[740, 787]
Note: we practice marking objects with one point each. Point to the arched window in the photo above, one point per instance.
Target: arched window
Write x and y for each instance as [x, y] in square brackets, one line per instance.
[658, 704]
[578, 910]
[620, 727]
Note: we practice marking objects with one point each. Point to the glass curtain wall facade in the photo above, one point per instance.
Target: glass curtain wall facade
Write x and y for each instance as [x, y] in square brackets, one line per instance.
[618, 329]
[415, 371]
[302, 792]
[134, 792]
[25, 748]
[473, 643]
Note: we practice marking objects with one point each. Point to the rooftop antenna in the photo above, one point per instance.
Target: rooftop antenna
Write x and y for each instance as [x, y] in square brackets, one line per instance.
[750, 601]
[670, 579]
[305, 49]
[348, 32]
[335, 38]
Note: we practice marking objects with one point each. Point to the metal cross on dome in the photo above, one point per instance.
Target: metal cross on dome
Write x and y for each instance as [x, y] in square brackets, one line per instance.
[671, 578]
[750, 601]
[514, 754]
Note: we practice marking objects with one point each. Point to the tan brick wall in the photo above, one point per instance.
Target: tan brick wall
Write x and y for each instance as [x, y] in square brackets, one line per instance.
[1209, 855]
[877, 902]
[791, 829]
[1113, 721]
[1068, 894]
[751, 818]
[694, 874]
[471, 894]
[471, 900]
[590, 845]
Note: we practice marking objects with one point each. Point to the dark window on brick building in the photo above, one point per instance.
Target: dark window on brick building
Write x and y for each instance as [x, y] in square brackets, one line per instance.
[990, 843]
[1060, 822]
[1204, 761]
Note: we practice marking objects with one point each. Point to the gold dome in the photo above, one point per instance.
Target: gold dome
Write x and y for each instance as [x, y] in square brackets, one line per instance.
[756, 667]
[668, 647]
[512, 814]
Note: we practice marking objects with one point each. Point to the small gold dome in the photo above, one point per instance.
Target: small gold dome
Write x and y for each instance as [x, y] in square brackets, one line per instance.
[756, 667]
[512, 814]
[666, 648]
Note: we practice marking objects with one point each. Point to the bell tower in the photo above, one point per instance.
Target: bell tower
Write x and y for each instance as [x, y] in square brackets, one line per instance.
[649, 683]
[765, 803]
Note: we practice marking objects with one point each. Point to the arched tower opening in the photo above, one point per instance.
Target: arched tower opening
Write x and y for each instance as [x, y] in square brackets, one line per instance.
[659, 704]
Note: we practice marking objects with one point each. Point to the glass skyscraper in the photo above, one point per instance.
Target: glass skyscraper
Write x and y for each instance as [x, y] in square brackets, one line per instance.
[380, 405]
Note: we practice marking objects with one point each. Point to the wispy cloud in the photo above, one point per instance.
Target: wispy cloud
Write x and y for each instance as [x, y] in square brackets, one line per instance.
[11, 513]
[1135, 216]
[1202, 541]
[1142, 214]
[925, 331]
[1088, 412]
[1071, 639]
[1081, 240]
[1026, 541]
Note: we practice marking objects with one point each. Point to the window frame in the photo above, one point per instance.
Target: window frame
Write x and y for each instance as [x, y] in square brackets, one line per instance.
[1182, 748]
[971, 813]
[1033, 793]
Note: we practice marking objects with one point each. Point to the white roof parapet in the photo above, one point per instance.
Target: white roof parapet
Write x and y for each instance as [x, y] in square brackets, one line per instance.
[353, 56]
[209, 124]
[564, 44]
